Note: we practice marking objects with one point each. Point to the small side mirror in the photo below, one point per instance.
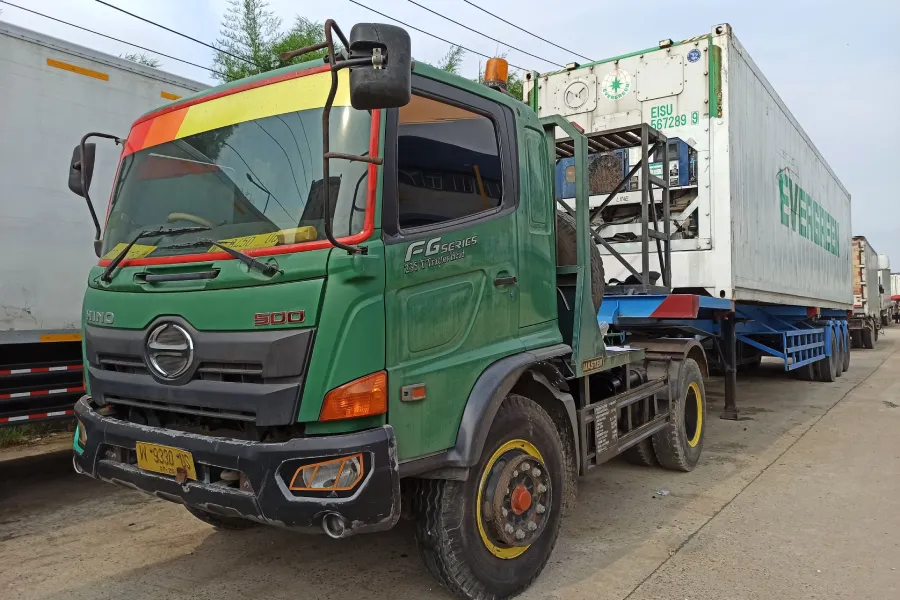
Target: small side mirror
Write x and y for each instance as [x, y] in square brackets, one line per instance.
[387, 85]
[82, 165]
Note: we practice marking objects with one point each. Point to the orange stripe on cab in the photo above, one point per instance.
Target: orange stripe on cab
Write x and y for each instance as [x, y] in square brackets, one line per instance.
[164, 128]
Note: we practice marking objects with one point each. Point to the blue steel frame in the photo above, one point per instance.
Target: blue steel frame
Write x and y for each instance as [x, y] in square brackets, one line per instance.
[803, 340]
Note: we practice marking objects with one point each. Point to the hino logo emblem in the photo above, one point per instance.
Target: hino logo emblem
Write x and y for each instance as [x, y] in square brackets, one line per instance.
[170, 350]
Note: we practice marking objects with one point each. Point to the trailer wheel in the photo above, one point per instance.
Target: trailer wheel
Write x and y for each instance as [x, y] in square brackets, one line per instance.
[846, 365]
[642, 454]
[567, 254]
[828, 365]
[679, 444]
[221, 521]
[868, 340]
[490, 536]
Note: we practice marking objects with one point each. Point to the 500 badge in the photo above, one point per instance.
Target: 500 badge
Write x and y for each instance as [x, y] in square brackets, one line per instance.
[434, 253]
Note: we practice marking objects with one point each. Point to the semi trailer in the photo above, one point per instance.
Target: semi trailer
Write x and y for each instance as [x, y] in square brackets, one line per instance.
[758, 223]
[884, 288]
[343, 290]
[53, 90]
[866, 320]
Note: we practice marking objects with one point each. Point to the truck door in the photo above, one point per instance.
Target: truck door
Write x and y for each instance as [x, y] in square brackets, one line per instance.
[450, 242]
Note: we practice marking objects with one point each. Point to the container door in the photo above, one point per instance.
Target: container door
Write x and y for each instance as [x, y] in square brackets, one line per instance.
[452, 272]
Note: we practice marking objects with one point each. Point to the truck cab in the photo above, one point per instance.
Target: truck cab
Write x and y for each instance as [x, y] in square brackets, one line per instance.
[321, 280]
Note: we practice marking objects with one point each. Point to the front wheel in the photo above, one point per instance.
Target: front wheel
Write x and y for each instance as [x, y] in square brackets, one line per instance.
[678, 446]
[490, 536]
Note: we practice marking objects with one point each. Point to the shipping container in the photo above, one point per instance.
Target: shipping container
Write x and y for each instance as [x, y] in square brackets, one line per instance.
[757, 215]
[895, 284]
[884, 286]
[866, 321]
[53, 92]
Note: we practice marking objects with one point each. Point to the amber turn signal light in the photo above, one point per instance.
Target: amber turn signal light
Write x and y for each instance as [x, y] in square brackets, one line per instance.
[361, 397]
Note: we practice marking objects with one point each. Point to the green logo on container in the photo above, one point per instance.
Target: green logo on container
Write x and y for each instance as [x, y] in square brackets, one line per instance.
[616, 85]
[802, 214]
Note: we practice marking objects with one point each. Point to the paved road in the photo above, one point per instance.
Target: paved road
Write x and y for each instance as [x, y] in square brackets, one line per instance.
[799, 499]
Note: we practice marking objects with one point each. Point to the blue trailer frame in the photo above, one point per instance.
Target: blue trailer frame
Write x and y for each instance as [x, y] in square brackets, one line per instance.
[802, 337]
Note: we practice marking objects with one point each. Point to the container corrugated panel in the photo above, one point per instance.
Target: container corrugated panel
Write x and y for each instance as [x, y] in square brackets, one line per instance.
[866, 297]
[53, 93]
[790, 214]
[768, 220]
[895, 284]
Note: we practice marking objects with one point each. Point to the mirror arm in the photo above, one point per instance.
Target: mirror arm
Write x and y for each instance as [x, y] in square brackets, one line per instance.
[84, 187]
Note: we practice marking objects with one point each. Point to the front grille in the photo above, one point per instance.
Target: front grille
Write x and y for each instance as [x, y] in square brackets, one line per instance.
[122, 363]
[232, 372]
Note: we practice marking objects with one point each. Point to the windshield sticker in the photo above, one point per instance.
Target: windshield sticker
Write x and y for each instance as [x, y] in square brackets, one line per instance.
[435, 253]
[268, 240]
[137, 251]
[292, 95]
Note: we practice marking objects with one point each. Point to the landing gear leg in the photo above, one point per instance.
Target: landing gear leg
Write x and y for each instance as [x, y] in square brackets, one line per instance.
[729, 350]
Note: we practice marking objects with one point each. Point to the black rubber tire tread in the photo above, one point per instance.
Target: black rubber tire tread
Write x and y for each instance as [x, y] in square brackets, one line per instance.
[642, 454]
[806, 372]
[868, 338]
[670, 443]
[828, 365]
[444, 514]
[837, 354]
[846, 365]
[221, 521]
[875, 329]
[567, 254]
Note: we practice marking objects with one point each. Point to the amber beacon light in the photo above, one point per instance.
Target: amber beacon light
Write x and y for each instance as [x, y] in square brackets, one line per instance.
[496, 73]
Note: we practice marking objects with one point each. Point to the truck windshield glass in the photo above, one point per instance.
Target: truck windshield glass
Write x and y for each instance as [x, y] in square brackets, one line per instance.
[255, 184]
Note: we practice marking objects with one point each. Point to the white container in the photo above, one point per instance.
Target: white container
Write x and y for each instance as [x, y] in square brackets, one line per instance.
[767, 219]
[866, 297]
[895, 284]
[53, 93]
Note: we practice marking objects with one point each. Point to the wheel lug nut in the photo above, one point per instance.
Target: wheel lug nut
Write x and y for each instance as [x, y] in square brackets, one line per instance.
[520, 535]
[504, 511]
[535, 472]
[516, 473]
[509, 528]
[532, 525]
[541, 488]
[526, 466]
[541, 509]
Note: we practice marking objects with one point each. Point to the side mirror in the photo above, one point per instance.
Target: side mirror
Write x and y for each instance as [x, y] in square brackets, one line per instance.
[81, 169]
[388, 85]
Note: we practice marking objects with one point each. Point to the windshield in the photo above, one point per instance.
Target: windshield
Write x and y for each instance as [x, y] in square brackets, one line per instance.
[254, 184]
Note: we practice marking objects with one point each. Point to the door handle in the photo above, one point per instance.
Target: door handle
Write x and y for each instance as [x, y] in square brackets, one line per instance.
[502, 280]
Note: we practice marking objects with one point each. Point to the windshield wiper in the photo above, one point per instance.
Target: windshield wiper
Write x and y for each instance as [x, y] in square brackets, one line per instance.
[266, 269]
[107, 274]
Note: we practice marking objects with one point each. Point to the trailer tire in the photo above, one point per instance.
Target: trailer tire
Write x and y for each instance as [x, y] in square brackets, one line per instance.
[221, 521]
[642, 454]
[679, 444]
[567, 254]
[846, 357]
[827, 366]
[460, 544]
[868, 341]
[807, 372]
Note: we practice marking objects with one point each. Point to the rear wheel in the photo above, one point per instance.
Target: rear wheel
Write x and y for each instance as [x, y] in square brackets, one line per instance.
[220, 521]
[846, 357]
[490, 536]
[678, 446]
[567, 254]
[868, 339]
[827, 366]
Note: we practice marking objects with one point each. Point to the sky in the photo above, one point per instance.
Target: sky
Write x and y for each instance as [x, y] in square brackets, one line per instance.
[835, 64]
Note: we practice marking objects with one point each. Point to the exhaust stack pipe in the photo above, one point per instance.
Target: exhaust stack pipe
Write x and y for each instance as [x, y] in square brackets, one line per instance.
[335, 526]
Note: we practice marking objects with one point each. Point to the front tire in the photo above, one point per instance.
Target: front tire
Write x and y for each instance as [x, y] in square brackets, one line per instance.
[678, 446]
[470, 547]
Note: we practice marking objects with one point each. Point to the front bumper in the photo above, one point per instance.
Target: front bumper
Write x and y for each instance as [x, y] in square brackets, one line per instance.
[373, 505]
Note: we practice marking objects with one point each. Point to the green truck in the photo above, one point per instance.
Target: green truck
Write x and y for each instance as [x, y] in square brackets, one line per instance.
[342, 292]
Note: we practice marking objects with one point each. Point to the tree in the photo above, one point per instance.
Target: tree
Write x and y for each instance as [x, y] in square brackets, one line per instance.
[452, 61]
[249, 33]
[141, 59]
[303, 33]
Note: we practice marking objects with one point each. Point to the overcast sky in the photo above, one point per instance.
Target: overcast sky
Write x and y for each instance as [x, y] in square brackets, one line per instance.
[835, 64]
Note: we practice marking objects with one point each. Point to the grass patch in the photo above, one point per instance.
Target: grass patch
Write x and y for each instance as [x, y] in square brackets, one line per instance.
[24, 434]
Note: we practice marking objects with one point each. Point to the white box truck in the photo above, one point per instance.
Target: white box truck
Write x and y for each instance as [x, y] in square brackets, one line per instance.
[53, 92]
[866, 320]
[757, 215]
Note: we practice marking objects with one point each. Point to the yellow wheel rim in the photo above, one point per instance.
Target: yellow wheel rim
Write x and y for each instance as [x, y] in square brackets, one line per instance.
[694, 390]
[500, 551]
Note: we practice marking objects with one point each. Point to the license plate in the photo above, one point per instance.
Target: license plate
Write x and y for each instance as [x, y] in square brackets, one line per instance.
[165, 460]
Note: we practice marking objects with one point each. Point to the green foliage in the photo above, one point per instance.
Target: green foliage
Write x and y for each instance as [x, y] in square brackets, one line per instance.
[452, 61]
[141, 59]
[253, 33]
